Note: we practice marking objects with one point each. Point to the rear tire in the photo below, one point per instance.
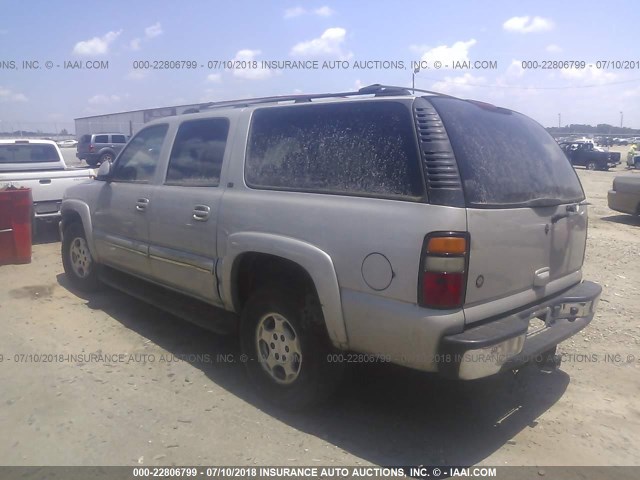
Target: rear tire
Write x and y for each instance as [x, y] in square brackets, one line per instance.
[79, 266]
[287, 349]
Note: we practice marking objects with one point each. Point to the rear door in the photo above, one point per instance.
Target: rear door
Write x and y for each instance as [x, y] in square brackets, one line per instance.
[525, 211]
[183, 248]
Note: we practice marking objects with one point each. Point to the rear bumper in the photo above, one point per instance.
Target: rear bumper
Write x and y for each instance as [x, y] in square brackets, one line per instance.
[510, 342]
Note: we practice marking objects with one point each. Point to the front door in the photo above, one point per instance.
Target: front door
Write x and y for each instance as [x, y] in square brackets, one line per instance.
[120, 221]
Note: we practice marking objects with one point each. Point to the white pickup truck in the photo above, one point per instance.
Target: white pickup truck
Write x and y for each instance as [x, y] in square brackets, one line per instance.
[38, 165]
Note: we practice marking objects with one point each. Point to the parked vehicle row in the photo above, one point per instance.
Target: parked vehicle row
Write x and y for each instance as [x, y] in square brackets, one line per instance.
[586, 154]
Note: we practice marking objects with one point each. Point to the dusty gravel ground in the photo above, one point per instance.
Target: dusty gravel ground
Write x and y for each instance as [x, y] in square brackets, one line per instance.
[179, 398]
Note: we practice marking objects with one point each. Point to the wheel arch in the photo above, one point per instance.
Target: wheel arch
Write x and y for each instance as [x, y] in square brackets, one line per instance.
[297, 258]
[77, 211]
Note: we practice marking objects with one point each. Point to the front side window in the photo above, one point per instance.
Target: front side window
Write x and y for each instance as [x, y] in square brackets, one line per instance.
[118, 139]
[139, 159]
[351, 148]
[196, 157]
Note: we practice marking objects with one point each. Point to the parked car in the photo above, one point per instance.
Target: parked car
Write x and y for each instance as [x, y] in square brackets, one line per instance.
[624, 197]
[38, 165]
[98, 148]
[377, 222]
[587, 155]
[67, 143]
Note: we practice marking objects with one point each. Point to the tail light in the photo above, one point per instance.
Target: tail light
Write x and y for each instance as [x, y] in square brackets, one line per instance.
[443, 270]
[92, 148]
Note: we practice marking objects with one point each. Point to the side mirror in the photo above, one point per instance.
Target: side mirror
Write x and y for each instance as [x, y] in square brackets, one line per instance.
[104, 172]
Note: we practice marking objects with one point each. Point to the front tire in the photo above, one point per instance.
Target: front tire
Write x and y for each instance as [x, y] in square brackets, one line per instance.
[287, 349]
[591, 165]
[79, 265]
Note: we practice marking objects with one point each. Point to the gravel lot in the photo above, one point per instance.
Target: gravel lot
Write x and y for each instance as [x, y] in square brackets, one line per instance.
[173, 400]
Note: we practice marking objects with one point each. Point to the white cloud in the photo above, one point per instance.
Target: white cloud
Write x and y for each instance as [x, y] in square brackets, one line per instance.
[633, 92]
[101, 99]
[515, 69]
[96, 45]
[250, 73]
[459, 51]
[135, 44]
[528, 24]
[153, 31]
[136, 75]
[553, 48]
[463, 83]
[329, 44]
[8, 95]
[324, 11]
[294, 12]
[214, 78]
[589, 75]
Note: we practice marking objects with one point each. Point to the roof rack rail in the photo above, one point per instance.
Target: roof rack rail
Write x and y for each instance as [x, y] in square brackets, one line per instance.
[376, 89]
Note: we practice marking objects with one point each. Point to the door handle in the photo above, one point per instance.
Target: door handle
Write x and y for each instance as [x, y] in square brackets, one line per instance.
[45, 181]
[541, 277]
[141, 204]
[201, 213]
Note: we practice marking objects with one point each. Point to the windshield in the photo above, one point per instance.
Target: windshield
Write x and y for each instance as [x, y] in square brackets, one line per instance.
[28, 153]
[505, 158]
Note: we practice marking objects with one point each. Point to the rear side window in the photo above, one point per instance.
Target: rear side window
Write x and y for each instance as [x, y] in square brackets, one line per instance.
[505, 158]
[196, 157]
[118, 139]
[354, 148]
[16, 153]
[101, 139]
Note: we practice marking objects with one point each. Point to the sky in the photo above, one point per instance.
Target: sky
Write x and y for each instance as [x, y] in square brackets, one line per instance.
[458, 33]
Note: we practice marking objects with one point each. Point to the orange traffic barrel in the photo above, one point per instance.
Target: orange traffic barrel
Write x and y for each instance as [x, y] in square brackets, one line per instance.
[15, 225]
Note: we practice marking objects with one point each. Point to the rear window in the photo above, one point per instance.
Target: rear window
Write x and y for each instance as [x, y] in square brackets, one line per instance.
[505, 158]
[355, 148]
[85, 139]
[15, 153]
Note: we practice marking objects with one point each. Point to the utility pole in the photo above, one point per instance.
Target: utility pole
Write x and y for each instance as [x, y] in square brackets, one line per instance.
[559, 120]
[621, 117]
[413, 78]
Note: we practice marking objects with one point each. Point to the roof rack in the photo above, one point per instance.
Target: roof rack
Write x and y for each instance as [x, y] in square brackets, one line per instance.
[376, 89]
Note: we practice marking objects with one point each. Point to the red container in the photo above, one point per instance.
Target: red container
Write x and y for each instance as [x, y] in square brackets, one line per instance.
[15, 226]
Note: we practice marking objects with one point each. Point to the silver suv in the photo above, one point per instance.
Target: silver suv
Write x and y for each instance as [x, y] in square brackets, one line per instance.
[437, 233]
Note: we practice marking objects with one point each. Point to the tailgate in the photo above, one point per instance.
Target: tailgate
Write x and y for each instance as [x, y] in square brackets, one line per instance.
[525, 213]
[521, 255]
